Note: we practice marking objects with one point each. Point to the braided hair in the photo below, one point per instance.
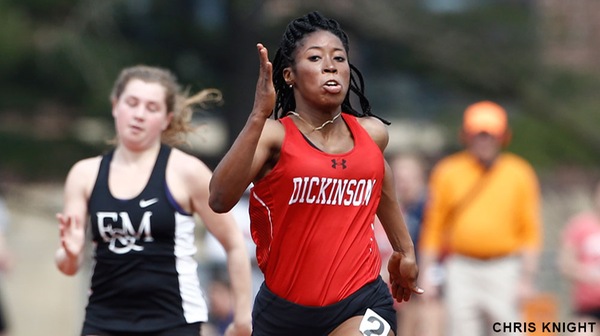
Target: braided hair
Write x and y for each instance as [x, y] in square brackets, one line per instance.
[294, 33]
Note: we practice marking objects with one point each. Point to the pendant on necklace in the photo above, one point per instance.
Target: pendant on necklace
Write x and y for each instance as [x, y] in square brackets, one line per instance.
[330, 121]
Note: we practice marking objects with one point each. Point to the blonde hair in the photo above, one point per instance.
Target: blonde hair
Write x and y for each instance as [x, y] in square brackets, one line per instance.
[177, 101]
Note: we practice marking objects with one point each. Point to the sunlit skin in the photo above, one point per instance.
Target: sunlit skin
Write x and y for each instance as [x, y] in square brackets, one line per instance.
[320, 76]
[141, 115]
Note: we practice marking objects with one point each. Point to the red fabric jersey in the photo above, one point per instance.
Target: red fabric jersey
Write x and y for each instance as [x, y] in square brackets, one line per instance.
[312, 218]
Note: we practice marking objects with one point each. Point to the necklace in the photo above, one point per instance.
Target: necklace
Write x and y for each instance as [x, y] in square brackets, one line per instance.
[330, 121]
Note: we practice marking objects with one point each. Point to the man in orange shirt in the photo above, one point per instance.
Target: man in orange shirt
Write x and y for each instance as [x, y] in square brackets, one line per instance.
[483, 214]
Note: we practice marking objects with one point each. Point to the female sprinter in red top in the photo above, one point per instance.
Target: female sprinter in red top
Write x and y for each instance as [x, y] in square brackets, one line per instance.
[319, 179]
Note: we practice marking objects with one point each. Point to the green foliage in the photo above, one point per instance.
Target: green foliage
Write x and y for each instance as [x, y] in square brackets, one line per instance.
[15, 38]
[28, 158]
[417, 63]
[546, 145]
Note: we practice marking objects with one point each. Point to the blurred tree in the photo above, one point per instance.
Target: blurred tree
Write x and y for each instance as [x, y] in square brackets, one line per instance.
[421, 59]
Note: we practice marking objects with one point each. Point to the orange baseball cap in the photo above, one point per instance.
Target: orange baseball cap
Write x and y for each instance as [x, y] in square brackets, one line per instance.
[485, 116]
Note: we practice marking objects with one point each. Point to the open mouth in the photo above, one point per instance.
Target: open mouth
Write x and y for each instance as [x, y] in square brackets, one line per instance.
[332, 86]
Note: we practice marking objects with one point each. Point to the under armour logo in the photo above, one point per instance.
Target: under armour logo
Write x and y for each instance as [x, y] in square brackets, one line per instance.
[335, 163]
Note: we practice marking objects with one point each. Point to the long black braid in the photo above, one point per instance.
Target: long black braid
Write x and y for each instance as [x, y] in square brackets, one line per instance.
[284, 57]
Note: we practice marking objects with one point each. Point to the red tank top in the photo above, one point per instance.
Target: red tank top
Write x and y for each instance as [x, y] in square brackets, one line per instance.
[312, 218]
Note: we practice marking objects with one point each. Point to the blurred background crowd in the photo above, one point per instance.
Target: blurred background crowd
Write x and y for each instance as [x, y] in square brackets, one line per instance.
[423, 61]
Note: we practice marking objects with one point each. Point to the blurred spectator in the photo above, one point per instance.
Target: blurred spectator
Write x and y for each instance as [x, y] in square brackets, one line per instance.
[5, 260]
[220, 307]
[579, 261]
[213, 272]
[484, 209]
[411, 187]
[214, 258]
[415, 317]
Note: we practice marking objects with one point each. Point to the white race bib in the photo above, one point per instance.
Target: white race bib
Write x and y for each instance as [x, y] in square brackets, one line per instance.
[373, 325]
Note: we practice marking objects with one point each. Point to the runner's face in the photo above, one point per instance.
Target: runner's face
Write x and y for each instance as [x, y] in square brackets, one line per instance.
[141, 114]
[321, 72]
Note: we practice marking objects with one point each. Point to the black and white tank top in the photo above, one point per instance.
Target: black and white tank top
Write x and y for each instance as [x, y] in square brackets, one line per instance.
[145, 274]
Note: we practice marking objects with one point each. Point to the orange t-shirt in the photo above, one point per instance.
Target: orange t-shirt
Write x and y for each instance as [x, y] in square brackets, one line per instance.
[501, 218]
